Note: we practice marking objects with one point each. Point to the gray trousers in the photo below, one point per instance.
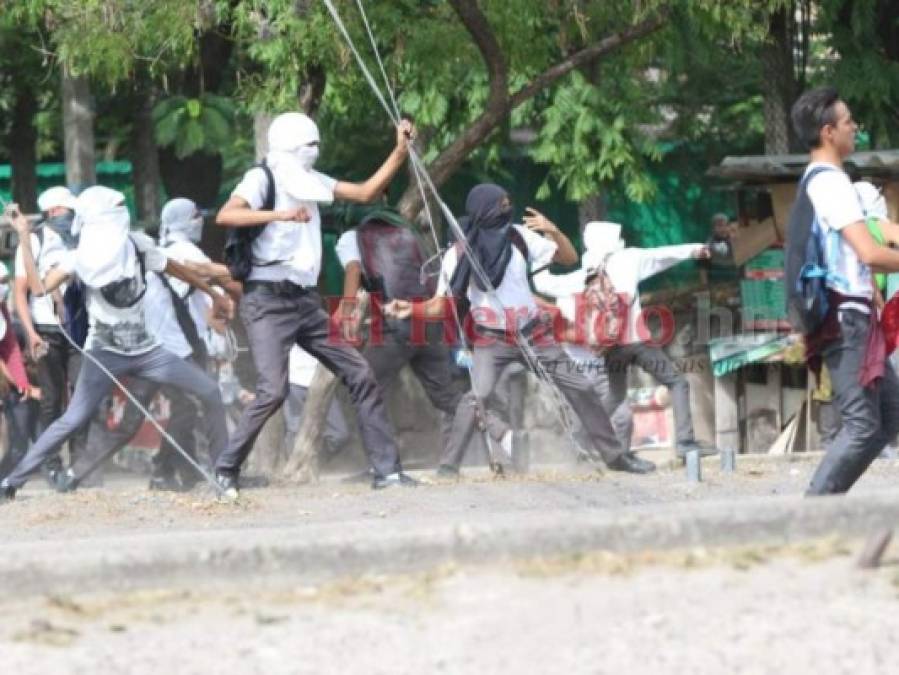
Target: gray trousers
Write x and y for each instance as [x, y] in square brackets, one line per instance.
[276, 318]
[489, 361]
[870, 415]
[105, 442]
[56, 371]
[618, 408]
[336, 433]
[431, 364]
[658, 364]
[157, 365]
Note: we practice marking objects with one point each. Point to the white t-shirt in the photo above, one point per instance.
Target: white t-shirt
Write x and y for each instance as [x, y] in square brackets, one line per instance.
[120, 329]
[513, 294]
[302, 367]
[837, 205]
[161, 318]
[299, 245]
[347, 248]
[42, 307]
[625, 268]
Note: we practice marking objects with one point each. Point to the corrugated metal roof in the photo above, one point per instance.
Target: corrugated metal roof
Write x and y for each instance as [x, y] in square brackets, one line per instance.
[786, 168]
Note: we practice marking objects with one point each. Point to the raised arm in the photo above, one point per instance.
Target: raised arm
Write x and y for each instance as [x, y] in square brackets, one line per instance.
[535, 221]
[369, 190]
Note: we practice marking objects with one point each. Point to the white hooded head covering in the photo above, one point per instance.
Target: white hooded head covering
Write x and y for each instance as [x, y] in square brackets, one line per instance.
[56, 196]
[600, 239]
[104, 253]
[180, 221]
[872, 201]
[292, 151]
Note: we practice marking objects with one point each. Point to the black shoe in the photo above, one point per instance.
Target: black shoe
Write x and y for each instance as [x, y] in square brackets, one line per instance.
[704, 450]
[165, 484]
[630, 463]
[65, 481]
[394, 479]
[7, 492]
[228, 486]
[445, 471]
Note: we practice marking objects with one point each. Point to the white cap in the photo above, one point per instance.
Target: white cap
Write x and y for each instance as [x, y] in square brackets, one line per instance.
[56, 196]
[872, 201]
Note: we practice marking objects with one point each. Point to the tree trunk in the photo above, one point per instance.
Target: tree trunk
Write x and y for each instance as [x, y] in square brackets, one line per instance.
[78, 131]
[22, 145]
[144, 157]
[780, 90]
[302, 465]
[197, 176]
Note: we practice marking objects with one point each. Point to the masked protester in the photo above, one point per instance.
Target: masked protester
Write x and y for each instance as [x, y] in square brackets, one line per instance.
[281, 307]
[382, 255]
[176, 317]
[58, 362]
[610, 274]
[503, 308]
[113, 263]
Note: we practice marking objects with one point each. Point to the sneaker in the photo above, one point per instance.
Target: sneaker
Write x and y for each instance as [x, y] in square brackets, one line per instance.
[394, 479]
[628, 462]
[7, 492]
[227, 485]
[704, 450]
[445, 471]
[65, 481]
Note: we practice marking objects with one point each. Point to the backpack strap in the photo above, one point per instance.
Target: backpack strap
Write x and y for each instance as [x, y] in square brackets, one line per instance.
[185, 321]
[268, 203]
[830, 245]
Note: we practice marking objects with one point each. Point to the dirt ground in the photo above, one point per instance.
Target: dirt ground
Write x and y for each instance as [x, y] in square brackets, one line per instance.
[802, 609]
[124, 506]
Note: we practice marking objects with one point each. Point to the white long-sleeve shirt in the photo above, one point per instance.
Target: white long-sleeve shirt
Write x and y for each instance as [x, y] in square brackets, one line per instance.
[626, 269]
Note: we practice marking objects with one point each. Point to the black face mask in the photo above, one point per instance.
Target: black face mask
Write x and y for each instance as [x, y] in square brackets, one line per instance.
[125, 293]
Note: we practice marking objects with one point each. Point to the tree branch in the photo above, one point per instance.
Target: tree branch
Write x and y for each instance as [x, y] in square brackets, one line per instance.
[499, 102]
[588, 55]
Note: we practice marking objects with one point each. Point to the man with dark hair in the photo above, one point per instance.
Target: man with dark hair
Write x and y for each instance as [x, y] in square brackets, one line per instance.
[849, 339]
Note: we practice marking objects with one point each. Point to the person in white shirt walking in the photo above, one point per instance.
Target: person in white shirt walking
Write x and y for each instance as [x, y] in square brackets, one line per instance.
[849, 340]
[624, 268]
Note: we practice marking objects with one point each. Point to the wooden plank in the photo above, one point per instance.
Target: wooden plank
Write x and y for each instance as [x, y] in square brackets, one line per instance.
[727, 413]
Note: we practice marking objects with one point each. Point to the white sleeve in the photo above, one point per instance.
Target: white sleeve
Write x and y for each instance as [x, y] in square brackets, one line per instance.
[66, 261]
[252, 188]
[541, 250]
[835, 200]
[347, 248]
[327, 181]
[651, 261]
[559, 285]
[154, 257]
[447, 267]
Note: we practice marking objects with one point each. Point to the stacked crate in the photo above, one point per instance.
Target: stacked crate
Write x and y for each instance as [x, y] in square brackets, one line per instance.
[762, 292]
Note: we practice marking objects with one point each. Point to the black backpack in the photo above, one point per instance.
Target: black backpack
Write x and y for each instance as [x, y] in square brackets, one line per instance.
[806, 272]
[238, 252]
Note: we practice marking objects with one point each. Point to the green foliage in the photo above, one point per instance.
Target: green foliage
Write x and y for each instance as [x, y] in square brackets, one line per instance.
[192, 125]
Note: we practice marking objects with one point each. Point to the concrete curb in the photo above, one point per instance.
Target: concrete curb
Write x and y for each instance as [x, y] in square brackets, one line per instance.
[318, 552]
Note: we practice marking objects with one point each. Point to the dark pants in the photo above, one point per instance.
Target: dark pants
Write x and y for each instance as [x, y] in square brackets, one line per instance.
[157, 365]
[658, 364]
[870, 415]
[22, 428]
[491, 359]
[106, 442]
[277, 317]
[57, 370]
